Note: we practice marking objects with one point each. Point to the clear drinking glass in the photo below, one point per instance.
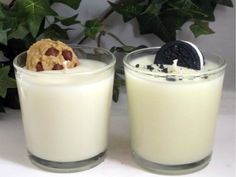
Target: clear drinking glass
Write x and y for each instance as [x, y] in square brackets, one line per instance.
[65, 114]
[172, 116]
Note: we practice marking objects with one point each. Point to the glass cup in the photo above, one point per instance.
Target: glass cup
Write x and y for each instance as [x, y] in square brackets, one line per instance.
[172, 116]
[66, 114]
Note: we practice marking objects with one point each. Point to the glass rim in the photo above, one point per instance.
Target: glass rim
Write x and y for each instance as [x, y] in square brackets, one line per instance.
[160, 74]
[73, 46]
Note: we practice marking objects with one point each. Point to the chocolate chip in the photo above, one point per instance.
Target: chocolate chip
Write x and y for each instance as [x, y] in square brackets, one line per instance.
[137, 65]
[75, 64]
[39, 67]
[67, 54]
[165, 70]
[52, 52]
[57, 67]
[169, 78]
[149, 67]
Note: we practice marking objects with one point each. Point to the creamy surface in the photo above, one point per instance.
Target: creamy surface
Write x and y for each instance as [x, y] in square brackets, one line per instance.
[143, 62]
[85, 66]
[66, 116]
[172, 122]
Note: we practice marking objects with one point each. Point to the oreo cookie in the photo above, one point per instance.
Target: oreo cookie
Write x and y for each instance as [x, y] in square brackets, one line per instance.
[187, 54]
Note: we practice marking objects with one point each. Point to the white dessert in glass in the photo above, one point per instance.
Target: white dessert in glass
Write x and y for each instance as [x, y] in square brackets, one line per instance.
[66, 112]
[172, 115]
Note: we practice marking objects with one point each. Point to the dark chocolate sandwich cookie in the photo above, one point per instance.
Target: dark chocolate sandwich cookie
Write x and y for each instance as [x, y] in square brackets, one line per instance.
[187, 54]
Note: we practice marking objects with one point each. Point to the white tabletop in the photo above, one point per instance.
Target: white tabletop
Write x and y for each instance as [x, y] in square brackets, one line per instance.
[15, 163]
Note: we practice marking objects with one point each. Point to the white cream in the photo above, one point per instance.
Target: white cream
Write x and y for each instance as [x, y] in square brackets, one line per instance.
[66, 116]
[172, 122]
[144, 61]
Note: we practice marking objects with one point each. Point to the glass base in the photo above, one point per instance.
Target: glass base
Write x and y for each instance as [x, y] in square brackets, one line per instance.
[67, 167]
[171, 169]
